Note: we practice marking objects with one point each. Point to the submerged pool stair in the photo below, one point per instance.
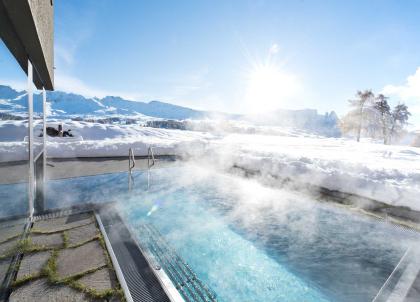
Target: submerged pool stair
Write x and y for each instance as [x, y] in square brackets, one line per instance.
[183, 277]
[399, 287]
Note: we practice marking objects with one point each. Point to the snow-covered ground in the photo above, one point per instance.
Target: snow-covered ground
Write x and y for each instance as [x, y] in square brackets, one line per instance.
[387, 173]
[99, 140]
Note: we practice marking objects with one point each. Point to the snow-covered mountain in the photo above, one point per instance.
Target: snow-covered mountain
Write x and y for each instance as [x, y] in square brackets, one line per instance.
[64, 105]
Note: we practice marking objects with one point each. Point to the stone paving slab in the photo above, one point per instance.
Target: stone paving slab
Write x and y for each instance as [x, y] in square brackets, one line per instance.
[101, 280]
[63, 223]
[70, 261]
[7, 246]
[82, 234]
[41, 291]
[10, 231]
[32, 264]
[4, 266]
[73, 261]
[9, 223]
[48, 241]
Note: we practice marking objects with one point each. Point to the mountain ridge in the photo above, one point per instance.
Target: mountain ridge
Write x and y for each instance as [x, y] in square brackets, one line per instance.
[63, 105]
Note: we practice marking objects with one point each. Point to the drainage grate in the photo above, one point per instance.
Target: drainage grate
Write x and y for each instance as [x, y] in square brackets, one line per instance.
[183, 277]
[139, 276]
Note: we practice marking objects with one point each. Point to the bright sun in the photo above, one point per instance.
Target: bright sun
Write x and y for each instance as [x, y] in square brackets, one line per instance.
[269, 88]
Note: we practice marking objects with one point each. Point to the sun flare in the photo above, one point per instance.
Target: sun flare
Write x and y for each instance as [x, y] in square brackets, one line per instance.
[269, 88]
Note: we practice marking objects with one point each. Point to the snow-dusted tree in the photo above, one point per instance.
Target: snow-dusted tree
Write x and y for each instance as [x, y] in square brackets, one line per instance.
[384, 115]
[353, 121]
[399, 119]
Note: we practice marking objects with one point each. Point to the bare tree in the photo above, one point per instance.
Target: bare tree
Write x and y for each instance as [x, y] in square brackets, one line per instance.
[399, 119]
[364, 98]
[374, 117]
[384, 112]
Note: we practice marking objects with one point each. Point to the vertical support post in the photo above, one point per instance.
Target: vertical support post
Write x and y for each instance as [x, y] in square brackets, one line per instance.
[40, 163]
[31, 181]
[44, 136]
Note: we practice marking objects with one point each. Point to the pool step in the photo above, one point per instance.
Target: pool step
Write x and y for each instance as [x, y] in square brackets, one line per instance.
[408, 276]
[401, 282]
[184, 278]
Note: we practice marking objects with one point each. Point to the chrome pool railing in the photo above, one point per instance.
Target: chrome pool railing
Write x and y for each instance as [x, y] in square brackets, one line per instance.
[131, 160]
[131, 165]
[150, 157]
[150, 163]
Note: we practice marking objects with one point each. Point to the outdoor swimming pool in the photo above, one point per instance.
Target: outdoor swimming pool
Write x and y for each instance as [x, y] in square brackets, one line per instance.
[13, 199]
[247, 242]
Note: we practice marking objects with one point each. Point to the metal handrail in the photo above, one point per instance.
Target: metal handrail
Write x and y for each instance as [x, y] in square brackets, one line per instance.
[131, 160]
[150, 163]
[150, 157]
[38, 155]
[131, 165]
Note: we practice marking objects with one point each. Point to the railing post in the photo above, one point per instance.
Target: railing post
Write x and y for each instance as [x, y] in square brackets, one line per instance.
[131, 165]
[31, 180]
[150, 159]
[44, 136]
[40, 163]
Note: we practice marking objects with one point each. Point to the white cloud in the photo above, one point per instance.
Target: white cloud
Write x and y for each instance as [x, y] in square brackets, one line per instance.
[72, 84]
[409, 92]
[410, 89]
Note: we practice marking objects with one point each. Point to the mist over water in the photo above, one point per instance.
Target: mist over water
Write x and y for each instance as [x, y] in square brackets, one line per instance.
[13, 199]
[247, 241]
[338, 255]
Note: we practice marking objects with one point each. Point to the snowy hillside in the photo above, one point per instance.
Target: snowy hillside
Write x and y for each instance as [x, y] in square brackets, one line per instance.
[65, 105]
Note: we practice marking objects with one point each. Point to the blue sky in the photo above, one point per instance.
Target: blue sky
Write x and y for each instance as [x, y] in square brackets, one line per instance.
[236, 56]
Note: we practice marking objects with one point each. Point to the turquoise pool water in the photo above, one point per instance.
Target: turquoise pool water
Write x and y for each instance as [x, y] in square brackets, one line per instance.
[13, 199]
[247, 242]
[250, 243]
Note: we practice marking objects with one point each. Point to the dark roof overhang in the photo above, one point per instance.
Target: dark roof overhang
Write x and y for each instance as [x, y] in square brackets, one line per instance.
[27, 29]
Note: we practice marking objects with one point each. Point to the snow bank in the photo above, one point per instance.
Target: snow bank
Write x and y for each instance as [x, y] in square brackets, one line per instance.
[99, 140]
[386, 173]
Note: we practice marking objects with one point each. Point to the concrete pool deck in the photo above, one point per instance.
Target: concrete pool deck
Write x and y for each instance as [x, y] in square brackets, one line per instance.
[76, 254]
[13, 172]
